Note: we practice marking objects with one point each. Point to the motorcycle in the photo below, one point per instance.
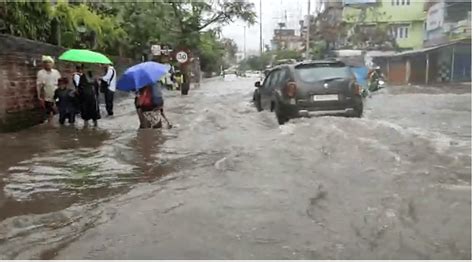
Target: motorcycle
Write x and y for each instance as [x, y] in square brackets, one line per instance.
[376, 82]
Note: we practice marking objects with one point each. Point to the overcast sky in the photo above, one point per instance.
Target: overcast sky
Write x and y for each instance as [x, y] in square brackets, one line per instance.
[273, 11]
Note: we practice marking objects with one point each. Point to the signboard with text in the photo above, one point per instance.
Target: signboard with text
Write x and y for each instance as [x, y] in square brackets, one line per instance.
[435, 17]
[359, 2]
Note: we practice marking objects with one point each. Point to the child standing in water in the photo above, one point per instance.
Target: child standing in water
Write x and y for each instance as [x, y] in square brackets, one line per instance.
[65, 102]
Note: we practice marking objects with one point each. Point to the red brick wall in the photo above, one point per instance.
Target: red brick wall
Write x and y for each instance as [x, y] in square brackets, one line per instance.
[20, 60]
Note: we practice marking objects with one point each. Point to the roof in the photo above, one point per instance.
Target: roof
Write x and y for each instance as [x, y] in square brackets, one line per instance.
[420, 51]
[376, 53]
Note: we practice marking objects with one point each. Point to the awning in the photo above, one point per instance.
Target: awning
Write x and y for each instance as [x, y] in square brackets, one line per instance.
[420, 51]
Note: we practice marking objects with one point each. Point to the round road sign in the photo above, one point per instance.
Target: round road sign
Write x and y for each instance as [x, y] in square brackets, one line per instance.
[182, 57]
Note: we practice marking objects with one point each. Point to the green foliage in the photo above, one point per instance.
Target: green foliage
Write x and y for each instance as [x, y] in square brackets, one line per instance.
[211, 52]
[26, 19]
[130, 27]
[287, 54]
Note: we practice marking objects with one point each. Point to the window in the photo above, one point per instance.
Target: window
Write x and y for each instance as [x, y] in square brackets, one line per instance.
[403, 2]
[398, 2]
[312, 73]
[284, 76]
[268, 79]
[277, 82]
[393, 2]
[274, 79]
[400, 32]
[408, 2]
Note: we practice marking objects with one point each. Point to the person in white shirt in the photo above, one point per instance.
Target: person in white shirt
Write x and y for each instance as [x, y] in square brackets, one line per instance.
[46, 84]
[108, 86]
[76, 76]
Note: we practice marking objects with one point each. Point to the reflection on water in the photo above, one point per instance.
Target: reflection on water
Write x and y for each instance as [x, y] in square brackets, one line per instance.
[47, 169]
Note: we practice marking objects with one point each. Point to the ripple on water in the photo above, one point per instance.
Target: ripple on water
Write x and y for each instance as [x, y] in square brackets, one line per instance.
[65, 171]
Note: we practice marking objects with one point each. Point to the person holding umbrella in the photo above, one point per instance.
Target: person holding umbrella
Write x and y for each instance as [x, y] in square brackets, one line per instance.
[144, 79]
[88, 88]
[148, 102]
[88, 93]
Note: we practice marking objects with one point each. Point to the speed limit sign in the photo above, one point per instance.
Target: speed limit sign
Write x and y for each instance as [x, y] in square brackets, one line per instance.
[182, 57]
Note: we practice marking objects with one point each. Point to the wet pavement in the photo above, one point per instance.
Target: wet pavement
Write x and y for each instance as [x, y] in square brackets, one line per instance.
[228, 183]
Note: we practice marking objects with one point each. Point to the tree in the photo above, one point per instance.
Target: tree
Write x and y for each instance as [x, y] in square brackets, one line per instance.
[146, 23]
[129, 28]
[376, 34]
[26, 19]
[231, 49]
[194, 16]
[211, 52]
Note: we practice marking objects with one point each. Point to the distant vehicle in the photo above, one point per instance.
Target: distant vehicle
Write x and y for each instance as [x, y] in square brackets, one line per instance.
[306, 88]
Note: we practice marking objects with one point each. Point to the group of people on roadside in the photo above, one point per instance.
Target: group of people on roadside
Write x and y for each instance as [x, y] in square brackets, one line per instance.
[56, 96]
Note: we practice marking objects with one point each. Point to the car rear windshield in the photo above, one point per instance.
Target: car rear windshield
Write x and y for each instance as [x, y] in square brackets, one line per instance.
[318, 72]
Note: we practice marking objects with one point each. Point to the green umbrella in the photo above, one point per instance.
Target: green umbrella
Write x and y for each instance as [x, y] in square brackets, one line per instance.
[84, 56]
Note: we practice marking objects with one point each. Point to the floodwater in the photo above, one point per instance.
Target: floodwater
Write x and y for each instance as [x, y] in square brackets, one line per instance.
[228, 183]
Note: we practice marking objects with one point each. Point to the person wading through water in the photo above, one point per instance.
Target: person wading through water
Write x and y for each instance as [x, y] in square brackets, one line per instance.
[88, 96]
[76, 79]
[148, 102]
[46, 83]
[108, 84]
[65, 102]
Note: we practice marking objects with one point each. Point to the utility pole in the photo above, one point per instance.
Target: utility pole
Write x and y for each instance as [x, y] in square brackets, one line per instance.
[308, 28]
[245, 41]
[261, 36]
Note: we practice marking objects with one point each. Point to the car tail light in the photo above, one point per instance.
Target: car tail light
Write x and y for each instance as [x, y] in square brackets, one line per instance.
[357, 89]
[291, 89]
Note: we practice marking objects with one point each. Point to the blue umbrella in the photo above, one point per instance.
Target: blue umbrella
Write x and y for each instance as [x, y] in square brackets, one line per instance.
[141, 75]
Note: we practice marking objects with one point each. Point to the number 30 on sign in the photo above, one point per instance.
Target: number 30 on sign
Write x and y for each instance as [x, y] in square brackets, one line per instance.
[182, 57]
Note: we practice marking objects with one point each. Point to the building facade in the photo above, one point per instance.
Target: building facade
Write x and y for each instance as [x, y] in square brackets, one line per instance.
[286, 39]
[446, 21]
[404, 18]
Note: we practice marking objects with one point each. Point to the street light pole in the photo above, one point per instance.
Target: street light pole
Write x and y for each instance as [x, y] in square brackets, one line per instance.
[245, 41]
[261, 36]
[308, 26]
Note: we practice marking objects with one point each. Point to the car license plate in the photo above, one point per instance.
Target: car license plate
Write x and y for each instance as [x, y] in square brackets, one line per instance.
[326, 98]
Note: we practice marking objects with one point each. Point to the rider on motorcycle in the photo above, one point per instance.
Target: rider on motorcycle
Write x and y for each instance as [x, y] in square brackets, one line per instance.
[376, 79]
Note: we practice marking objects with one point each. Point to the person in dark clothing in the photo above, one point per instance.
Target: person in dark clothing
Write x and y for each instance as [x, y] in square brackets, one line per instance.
[65, 99]
[76, 78]
[88, 97]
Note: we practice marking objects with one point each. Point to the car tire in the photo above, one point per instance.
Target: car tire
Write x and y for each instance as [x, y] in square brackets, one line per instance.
[358, 107]
[257, 101]
[281, 117]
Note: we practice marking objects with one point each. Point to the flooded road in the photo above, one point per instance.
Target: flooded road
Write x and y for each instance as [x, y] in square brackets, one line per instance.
[228, 183]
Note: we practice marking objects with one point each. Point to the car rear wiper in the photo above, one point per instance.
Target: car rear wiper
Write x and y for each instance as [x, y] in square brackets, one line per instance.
[328, 79]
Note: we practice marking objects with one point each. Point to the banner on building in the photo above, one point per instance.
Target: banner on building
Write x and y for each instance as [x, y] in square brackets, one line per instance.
[358, 2]
[435, 17]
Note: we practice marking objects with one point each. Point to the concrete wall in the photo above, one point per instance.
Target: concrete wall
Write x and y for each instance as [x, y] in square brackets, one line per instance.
[20, 60]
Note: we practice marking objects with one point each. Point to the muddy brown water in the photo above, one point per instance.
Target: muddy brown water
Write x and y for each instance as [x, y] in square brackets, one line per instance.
[228, 182]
